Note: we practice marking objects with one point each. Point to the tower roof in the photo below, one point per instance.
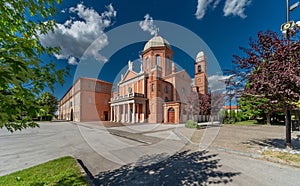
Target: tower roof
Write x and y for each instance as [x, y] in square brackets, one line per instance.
[157, 41]
[200, 54]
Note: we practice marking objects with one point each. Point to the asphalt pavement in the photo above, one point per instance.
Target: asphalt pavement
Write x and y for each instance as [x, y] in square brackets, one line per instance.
[138, 155]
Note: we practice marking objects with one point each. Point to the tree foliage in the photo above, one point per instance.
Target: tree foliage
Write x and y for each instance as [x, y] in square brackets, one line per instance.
[205, 104]
[271, 67]
[23, 75]
[192, 106]
[217, 99]
[255, 107]
[48, 103]
[235, 84]
[197, 104]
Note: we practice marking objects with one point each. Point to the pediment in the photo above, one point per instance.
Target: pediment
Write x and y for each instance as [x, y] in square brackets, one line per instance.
[129, 75]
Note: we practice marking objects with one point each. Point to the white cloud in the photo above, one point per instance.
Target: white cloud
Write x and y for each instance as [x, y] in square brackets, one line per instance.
[148, 24]
[216, 3]
[232, 7]
[75, 36]
[202, 7]
[72, 61]
[217, 82]
[236, 7]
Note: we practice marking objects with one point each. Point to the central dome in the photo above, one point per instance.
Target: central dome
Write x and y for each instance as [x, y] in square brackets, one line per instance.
[157, 41]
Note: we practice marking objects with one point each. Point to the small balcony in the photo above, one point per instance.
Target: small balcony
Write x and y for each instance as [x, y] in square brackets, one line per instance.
[127, 97]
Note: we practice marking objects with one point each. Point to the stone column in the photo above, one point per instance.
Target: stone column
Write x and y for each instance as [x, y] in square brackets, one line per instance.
[133, 112]
[144, 112]
[123, 113]
[118, 118]
[138, 113]
[114, 113]
[111, 113]
[128, 113]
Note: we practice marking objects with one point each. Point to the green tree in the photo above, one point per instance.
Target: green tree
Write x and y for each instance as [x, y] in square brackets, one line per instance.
[23, 75]
[253, 107]
[48, 103]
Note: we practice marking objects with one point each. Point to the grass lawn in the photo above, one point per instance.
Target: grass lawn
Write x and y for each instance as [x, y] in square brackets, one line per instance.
[62, 171]
[291, 158]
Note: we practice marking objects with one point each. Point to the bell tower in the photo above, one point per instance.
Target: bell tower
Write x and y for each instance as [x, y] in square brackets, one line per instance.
[201, 83]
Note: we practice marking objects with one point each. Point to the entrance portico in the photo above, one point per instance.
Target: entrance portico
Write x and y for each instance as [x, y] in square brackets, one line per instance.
[128, 109]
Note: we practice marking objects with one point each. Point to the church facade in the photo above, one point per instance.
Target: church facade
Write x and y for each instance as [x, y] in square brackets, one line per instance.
[156, 94]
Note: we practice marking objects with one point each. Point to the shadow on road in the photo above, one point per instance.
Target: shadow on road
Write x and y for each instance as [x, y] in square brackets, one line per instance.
[273, 142]
[183, 168]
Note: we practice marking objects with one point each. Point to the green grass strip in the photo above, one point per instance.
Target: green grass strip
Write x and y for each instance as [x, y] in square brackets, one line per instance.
[62, 171]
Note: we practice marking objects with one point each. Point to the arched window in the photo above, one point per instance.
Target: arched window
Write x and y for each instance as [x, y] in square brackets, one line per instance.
[147, 62]
[152, 87]
[158, 60]
[171, 109]
[166, 89]
[199, 68]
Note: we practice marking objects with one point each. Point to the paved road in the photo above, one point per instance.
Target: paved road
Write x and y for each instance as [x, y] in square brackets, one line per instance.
[158, 157]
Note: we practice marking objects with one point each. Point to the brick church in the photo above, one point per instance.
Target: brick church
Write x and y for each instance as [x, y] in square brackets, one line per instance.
[156, 93]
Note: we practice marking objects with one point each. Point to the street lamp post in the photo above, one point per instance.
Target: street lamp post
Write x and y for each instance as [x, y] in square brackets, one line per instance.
[286, 28]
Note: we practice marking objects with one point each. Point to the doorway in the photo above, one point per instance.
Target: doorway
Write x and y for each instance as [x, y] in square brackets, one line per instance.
[105, 115]
[71, 115]
[171, 115]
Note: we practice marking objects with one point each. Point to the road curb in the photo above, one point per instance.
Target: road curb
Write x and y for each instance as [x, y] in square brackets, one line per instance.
[279, 161]
[86, 173]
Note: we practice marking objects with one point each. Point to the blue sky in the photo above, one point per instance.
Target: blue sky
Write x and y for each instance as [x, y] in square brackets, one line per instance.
[223, 25]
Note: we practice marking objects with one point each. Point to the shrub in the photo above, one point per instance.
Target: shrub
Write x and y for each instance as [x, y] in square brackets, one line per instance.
[191, 124]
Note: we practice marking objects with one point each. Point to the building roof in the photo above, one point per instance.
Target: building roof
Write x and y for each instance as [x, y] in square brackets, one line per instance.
[200, 54]
[157, 41]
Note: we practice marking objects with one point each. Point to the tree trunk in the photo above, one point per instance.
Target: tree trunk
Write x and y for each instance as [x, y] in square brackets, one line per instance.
[297, 115]
[268, 115]
[288, 139]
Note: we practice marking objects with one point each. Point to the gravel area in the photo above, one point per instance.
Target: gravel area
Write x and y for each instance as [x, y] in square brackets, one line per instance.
[250, 139]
